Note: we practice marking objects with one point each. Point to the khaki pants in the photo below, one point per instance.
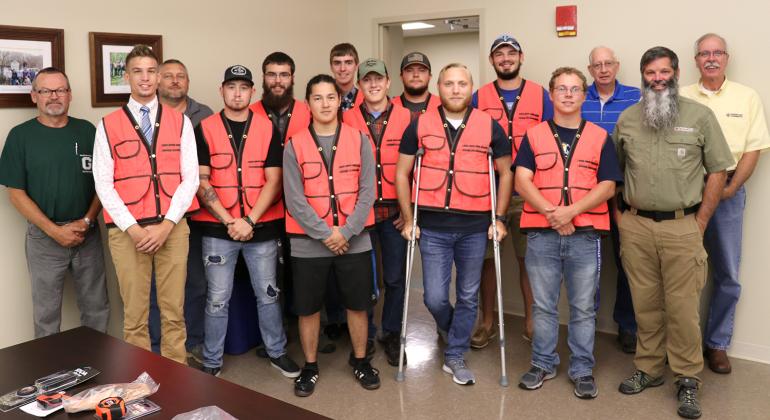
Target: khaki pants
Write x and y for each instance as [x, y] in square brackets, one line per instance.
[134, 271]
[666, 267]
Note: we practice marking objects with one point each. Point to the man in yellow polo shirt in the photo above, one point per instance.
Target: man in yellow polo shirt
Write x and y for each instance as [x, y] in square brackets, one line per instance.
[742, 119]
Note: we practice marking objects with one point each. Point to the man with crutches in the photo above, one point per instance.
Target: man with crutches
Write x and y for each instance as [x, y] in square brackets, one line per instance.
[566, 170]
[454, 205]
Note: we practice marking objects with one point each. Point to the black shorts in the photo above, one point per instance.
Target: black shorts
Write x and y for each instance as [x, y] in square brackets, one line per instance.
[353, 274]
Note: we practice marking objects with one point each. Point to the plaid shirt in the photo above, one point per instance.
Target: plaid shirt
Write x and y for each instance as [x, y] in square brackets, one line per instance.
[377, 127]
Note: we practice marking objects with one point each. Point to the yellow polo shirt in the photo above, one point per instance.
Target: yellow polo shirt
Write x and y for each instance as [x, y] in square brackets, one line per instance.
[740, 114]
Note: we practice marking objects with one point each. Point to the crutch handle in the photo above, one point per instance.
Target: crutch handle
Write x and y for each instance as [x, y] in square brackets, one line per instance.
[421, 152]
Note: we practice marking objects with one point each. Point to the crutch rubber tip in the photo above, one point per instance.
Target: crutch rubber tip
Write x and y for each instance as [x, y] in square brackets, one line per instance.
[400, 377]
[504, 381]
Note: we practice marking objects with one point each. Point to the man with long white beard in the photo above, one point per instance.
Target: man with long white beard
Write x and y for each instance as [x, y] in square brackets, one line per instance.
[664, 143]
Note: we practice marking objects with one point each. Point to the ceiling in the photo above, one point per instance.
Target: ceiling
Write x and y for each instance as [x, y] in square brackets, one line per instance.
[445, 26]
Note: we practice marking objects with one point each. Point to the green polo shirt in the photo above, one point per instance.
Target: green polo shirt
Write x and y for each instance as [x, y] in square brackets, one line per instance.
[664, 169]
[53, 166]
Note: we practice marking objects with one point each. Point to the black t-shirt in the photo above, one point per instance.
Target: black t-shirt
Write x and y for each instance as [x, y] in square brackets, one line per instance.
[447, 221]
[264, 231]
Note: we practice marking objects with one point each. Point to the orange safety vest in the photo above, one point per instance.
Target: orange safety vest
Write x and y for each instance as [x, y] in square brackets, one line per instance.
[385, 147]
[298, 117]
[564, 183]
[331, 192]
[432, 102]
[455, 175]
[527, 111]
[238, 175]
[146, 177]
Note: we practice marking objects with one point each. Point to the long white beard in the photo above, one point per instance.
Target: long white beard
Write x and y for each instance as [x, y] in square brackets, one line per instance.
[660, 108]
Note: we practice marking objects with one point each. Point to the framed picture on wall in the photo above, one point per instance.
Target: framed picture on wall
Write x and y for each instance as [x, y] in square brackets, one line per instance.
[23, 52]
[108, 64]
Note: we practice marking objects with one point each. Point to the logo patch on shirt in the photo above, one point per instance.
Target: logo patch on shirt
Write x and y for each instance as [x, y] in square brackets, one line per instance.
[684, 129]
[734, 115]
[681, 152]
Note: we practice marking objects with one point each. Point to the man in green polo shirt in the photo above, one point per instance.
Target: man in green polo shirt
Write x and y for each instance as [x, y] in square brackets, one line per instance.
[664, 144]
[46, 165]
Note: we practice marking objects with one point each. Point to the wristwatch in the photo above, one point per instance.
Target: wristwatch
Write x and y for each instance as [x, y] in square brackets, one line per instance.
[500, 218]
[88, 221]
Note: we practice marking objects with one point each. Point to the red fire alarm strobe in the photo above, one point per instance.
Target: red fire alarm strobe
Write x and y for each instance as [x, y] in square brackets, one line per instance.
[566, 21]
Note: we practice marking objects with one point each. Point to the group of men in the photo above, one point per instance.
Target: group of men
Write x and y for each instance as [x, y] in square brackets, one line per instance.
[332, 178]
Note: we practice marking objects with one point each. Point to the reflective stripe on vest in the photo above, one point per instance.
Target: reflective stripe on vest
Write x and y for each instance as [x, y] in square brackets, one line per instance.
[527, 111]
[238, 176]
[432, 102]
[146, 177]
[455, 175]
[385, 147]
[332, 194]
[564, 185]
[298, 117]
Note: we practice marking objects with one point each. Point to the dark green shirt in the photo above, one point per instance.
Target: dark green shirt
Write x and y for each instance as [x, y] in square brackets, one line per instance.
[53, 166]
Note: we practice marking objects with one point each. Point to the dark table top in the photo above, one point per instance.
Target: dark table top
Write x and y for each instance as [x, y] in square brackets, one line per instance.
[182, 388]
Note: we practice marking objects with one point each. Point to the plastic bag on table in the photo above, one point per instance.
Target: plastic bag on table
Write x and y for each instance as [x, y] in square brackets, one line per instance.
[142, 387]
[211, 412]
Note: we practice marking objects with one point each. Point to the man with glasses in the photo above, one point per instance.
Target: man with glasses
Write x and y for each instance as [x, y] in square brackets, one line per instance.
[566, 170]
[742, 118]
[605, 100]
[46, 165]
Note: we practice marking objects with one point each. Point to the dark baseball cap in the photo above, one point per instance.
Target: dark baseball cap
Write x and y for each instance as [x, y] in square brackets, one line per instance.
[238, 72]
[415, 58]
[505, 39]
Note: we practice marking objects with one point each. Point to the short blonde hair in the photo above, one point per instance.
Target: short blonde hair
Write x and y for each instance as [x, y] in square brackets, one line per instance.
[455, 66]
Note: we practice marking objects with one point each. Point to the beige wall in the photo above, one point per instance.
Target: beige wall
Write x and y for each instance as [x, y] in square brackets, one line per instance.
[207, 38]
[296, 26]
[630, 28]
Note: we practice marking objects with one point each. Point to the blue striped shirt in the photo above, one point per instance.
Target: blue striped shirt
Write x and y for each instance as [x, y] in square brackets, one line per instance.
[605, 116]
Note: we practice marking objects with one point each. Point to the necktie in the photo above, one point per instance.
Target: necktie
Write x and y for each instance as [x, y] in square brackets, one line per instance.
[146, 126]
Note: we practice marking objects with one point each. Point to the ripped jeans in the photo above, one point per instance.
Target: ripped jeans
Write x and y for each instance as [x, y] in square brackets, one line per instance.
[219, 258]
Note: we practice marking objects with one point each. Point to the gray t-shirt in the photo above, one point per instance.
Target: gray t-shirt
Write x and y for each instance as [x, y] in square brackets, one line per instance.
[317, 229]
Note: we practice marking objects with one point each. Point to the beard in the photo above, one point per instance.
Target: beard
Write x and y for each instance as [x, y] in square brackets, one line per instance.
[277, 102]
[452, 107]
[55, 109]
[510, 75]
[415, 91]
[661, 108]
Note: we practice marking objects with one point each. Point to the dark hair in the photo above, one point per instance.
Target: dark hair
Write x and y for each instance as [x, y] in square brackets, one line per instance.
[567, 70]
[318, 79]
[278, 57]
[173, 61]
[50, 70]
[141, 50]
[655, 53]
[344, 48]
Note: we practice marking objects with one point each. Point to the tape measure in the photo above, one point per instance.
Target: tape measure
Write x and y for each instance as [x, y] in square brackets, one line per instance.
[112, 408]
[49, 400]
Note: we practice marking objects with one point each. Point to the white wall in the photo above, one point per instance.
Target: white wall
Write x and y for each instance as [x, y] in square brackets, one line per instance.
[444, 49]
[630, 28]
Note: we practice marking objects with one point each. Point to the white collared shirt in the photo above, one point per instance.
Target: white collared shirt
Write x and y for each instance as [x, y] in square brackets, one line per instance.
[104, 170]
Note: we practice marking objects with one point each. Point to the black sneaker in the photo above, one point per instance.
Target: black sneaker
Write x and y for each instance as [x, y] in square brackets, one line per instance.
[393, 350]
[325, 345]
[585, 387]
[370, 349]
[534, 378]
[212, 371]
[304, 385]
[262, 352]
[367, 376]
[627, 341]
[689, 407]
[287, 366]
[638, 382]
[333, 331]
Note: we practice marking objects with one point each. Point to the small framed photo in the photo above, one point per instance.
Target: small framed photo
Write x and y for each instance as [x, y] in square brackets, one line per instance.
[23, 52]
[108, 53]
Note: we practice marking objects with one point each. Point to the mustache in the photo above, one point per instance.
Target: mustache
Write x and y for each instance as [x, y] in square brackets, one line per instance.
[711, 65]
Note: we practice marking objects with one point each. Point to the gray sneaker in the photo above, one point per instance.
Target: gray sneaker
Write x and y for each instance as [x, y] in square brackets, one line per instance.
[585, 387]
[534, 378]
[443, 335]
[460, 373]
[196, 353]
[638, 382]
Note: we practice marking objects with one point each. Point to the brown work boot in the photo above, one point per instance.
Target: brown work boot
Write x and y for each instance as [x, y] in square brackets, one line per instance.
[482, 337]
[718, 361]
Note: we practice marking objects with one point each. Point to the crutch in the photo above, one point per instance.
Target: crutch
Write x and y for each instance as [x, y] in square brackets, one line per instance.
[496, 245]
[409, 263]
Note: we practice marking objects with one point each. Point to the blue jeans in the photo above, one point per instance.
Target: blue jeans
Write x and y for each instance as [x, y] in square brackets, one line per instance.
[439, 250]
[577, 259]
[219, 259]
[392, 247]
[723, 238]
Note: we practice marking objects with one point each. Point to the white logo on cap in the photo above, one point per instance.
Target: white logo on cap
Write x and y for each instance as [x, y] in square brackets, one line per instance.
[238, 70]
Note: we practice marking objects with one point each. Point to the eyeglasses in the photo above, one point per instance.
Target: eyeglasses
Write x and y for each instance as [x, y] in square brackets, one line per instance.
[562, 90]
[715, 53]
[272, 76]
[599, 65]
[49, 92]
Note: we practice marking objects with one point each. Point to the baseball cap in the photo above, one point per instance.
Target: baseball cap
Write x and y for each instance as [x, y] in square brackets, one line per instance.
[238, 72]
[415, 58]
[372, 65]
[505, 39]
